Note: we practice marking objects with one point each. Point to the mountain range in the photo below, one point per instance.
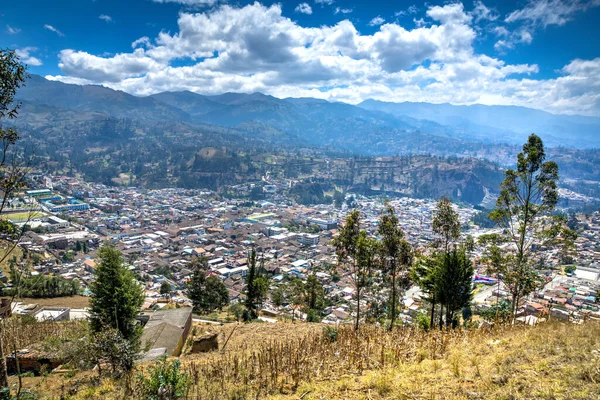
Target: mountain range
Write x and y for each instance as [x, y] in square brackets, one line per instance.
[371, 127]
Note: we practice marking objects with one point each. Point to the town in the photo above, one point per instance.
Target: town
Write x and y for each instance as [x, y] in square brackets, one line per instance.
[159, 232]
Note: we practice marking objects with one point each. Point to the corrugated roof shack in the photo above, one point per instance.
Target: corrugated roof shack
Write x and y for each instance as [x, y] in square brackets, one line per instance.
[167, 329]
[33, 359]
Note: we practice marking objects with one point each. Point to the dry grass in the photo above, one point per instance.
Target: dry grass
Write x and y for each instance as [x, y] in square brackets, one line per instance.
[70, 301]
[291, 361]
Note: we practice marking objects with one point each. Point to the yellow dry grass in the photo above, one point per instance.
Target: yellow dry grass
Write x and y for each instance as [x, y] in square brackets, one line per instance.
[292, 361]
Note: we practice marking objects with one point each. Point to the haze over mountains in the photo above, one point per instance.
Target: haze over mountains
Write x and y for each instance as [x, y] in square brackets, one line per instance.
[317, 122]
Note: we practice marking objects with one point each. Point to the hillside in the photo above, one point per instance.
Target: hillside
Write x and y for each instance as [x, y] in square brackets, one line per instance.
[291, 361]
[112, 137]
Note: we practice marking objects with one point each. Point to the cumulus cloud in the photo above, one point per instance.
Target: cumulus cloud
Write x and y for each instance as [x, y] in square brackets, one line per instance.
[105, 18]
[26, 57]
[11, 30]
[303, 8]
[53, 29]
[376, 21]
[256, 48]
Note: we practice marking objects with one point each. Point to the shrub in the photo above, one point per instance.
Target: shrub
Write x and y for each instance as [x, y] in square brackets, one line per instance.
[164, 381]
[330, 332]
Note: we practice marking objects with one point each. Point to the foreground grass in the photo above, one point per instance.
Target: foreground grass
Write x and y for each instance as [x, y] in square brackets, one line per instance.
[551, 361]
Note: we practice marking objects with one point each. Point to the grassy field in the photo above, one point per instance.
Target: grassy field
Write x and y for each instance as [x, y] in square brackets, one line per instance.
[296, 361]
[70, 302]
[24, 216]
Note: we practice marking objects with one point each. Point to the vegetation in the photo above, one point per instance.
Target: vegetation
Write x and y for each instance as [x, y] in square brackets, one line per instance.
[207, 293]
[275, 361]
[524, 209]
[257, 288]
[396, 256]
[163, 380]
[116, 297]
[41, 286]
[13, 165]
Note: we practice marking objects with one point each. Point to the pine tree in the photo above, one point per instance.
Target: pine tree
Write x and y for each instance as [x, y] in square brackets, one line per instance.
[116, 297]
[206, 293]
[256, 288]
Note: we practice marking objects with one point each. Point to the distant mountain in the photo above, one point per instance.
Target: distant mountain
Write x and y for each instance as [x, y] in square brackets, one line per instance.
[98, 99]
[500, 123]
[372, 128]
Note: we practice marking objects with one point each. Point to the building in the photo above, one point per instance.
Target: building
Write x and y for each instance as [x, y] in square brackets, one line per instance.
[308, 239]
[325, 225]
[167, 330]
[52, 314]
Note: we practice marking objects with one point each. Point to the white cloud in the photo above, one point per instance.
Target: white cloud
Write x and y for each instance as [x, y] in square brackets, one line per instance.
[256, 48]
[11, 30]
[53, 29]
[482, 12]
[376, 21]
[303, 8]
[105, 18]
[550, 12]
[26, 57]
[328, 2]
[410, 10]
[143, 41]
[339, 10]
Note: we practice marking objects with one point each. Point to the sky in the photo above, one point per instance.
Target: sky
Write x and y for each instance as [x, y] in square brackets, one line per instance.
[541, 54]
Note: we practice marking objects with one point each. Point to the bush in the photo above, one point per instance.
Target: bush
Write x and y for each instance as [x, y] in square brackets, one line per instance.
[330, 332]
[107, 347]
[165, 381]
[422, 321]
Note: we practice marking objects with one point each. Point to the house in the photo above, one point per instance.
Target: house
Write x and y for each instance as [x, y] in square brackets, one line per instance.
[168, 330]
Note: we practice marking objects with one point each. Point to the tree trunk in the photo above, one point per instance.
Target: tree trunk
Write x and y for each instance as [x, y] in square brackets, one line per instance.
[393, 315]
[357, 309]
[3, 368]
[432, 319]
[441, 316]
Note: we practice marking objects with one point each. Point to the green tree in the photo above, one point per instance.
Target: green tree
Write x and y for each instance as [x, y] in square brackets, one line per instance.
[396, 255]
[446, 223]
[257, 288]
[166, 289]
[207, 293]
[425, 274]
[13, 74]
[524, 210]
[116, 297]
[455, 283]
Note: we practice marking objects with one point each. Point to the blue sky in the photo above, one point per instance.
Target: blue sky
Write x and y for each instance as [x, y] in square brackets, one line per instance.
[536, 53]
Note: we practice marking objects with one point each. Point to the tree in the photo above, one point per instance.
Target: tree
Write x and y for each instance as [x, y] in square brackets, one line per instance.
[116, 297]
[524, 209]
[166, 289]
[425, 274]
[396, 255]
[257, 288]
[208, 293]
[367, 249]
[455, 283]
[446, 223]
[12, 172]
[346, 244]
